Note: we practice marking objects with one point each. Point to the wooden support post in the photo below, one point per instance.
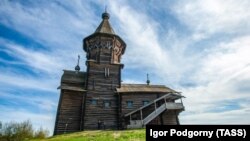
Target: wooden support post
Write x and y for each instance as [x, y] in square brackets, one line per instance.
[165, 102]
[141, 117]
[155, 107]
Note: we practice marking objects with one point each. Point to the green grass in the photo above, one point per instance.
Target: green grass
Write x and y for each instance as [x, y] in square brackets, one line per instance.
[100, 135]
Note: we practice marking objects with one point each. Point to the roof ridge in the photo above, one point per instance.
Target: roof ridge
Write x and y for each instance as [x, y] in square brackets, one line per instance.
[141, 84]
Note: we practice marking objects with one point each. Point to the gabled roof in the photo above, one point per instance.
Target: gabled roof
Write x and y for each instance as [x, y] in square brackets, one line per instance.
[105, 26]
[136, 88]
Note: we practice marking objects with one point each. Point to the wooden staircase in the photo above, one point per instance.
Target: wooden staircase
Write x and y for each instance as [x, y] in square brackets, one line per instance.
[159, 107]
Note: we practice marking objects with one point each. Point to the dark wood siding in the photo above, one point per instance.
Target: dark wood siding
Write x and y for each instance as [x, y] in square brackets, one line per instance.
[69, 112]
[166, 118]
[102, 89]
[137, 99]
[170, 117]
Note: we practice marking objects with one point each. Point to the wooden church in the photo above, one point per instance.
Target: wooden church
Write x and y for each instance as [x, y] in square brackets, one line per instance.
[96, 99]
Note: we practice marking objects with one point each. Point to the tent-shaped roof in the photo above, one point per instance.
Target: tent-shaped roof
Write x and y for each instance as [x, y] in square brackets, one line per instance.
[105, 26]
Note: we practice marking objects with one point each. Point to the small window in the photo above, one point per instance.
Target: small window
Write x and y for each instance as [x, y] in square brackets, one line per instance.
[93, 102]
[130, 104]
[107, 104]
[145, 102]
[106, 72]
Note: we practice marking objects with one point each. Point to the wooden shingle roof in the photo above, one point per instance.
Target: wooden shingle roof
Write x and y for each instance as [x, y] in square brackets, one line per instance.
[70, 76]
[132, 88]
[105, 26]
[70, 87]
[72, 80]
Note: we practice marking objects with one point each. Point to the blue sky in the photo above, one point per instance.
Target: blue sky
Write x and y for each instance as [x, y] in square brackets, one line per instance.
[200, 48]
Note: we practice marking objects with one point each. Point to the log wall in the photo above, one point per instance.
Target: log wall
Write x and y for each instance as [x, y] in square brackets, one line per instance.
[69, 114]
[170, 117]
[101, 88]
[166, 118]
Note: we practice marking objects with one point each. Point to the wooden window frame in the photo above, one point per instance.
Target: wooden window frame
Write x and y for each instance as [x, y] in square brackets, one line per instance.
[143, 102]
[131, 105]
[104, 104]
[93, 101]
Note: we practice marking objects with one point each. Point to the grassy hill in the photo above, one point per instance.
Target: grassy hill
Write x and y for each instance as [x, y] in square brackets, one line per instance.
[100, 135]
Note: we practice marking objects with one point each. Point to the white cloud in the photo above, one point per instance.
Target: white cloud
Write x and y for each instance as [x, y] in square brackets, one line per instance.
[142, 39]
[221, 79]
[40, 21]
[227, 60]
[58, 26]
[44, 61]
[228, 117]
[217, 71]
[211, 16]
[29, 82]
[144, 48]
[45, 104]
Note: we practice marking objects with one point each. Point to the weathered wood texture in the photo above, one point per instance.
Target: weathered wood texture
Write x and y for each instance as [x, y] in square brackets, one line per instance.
[69, 114]
[101, 84]
[167, 117]
[104, 48]
[137, 99]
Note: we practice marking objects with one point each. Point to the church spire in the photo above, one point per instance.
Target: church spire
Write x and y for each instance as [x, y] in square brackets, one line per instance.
[105, 26]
